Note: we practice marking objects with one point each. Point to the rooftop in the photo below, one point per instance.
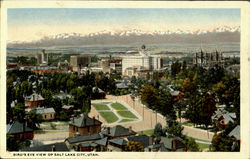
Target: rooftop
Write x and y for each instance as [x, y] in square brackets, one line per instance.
[78, 139]
[119, 130]
[85, 121]
[61, 146]
[17, 127]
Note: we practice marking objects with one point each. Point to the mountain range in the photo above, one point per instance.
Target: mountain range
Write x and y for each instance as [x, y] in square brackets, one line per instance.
[216, 35]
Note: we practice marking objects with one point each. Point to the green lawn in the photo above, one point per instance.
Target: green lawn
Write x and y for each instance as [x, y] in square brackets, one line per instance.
[101, 107]
[110, 117]
[147, 132]
[188, 123]
[125, 120]
[118, 106]
[127, 114]
[203, 146]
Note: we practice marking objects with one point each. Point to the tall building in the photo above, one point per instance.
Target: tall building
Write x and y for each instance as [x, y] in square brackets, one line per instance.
[78, 62]
[208, 59]
[141, 62]
[42, 59]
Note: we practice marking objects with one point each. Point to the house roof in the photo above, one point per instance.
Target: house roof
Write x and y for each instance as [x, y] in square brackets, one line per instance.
[102, 141]
[168, 142]
[235, 132]
[67, 106]
[77, 139]
[16, 127]
[121, 85]
[228, 117]
[61, 146]
[44, 110]
[143, 139]
[34, 97]
[99, 90]
[62, 95]
[85, 121]
[118, 141]
[119, 130]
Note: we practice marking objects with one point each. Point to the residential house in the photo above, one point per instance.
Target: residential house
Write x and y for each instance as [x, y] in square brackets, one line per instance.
[118, 131]
[173, 144]
[223, 117]
[84, 125]
[68, 107]
[61, 146]
[20, 131]
[102, 144]
[34, 100]
[235, 133]
[47, 113]
[98, 93]
[117, 144]
[144, 140]
[83, 143]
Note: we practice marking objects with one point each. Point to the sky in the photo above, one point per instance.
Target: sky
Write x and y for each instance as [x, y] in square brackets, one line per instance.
[28, 24]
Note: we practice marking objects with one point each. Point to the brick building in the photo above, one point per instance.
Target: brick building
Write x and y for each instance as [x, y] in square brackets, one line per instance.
[34, 100]
[20, 131]
[84, 125]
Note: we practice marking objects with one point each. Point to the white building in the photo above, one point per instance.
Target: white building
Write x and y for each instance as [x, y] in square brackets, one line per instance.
[142, 61]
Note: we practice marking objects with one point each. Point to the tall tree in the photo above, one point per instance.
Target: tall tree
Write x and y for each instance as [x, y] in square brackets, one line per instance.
[149, 96]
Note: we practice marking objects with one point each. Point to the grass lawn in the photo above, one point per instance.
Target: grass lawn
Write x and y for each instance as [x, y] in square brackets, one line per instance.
[110, 117]
[125, 120]
[147, 132]
[188, 123]
[118, 106]
[101, 107]
[127, 114]
[203, 146]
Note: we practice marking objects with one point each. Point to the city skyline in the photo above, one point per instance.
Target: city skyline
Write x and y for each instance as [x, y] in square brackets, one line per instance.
[33, 24]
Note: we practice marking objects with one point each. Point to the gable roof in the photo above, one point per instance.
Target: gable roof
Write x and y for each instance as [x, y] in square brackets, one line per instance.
[67, 106]
[143, 139]
[61, 146]
[44, 110]
[99, 90]
[119, 130]
[102, 141]
[34, 97]
[168, 142]
[85, 120]
[235, 132]
[118, 141]
[16, 127]
[77, 139]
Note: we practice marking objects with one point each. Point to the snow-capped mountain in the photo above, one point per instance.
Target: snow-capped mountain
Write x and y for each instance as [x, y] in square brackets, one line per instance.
[218, 34]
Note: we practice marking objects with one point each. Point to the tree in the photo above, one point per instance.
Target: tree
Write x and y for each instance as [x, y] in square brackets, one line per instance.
[134, 146]
[187, 85]
[175, 129]
[63, 116]
[192, 146]
[86, 105]
[175, 68]
[149, 96]
[164, 104]
[19, 112]
[34, 119]
[222, 142]
[180, 106]
[208, 109]
[158, 131]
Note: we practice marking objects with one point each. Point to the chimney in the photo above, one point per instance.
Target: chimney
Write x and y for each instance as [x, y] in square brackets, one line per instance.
[130, 129]
[53, 147]
[151, 140]
[84, 120]
[94, 120]
[175, 144]
[108, 130]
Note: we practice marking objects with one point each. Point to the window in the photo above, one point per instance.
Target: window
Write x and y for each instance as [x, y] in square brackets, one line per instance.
[44, 116]
[88, 128]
